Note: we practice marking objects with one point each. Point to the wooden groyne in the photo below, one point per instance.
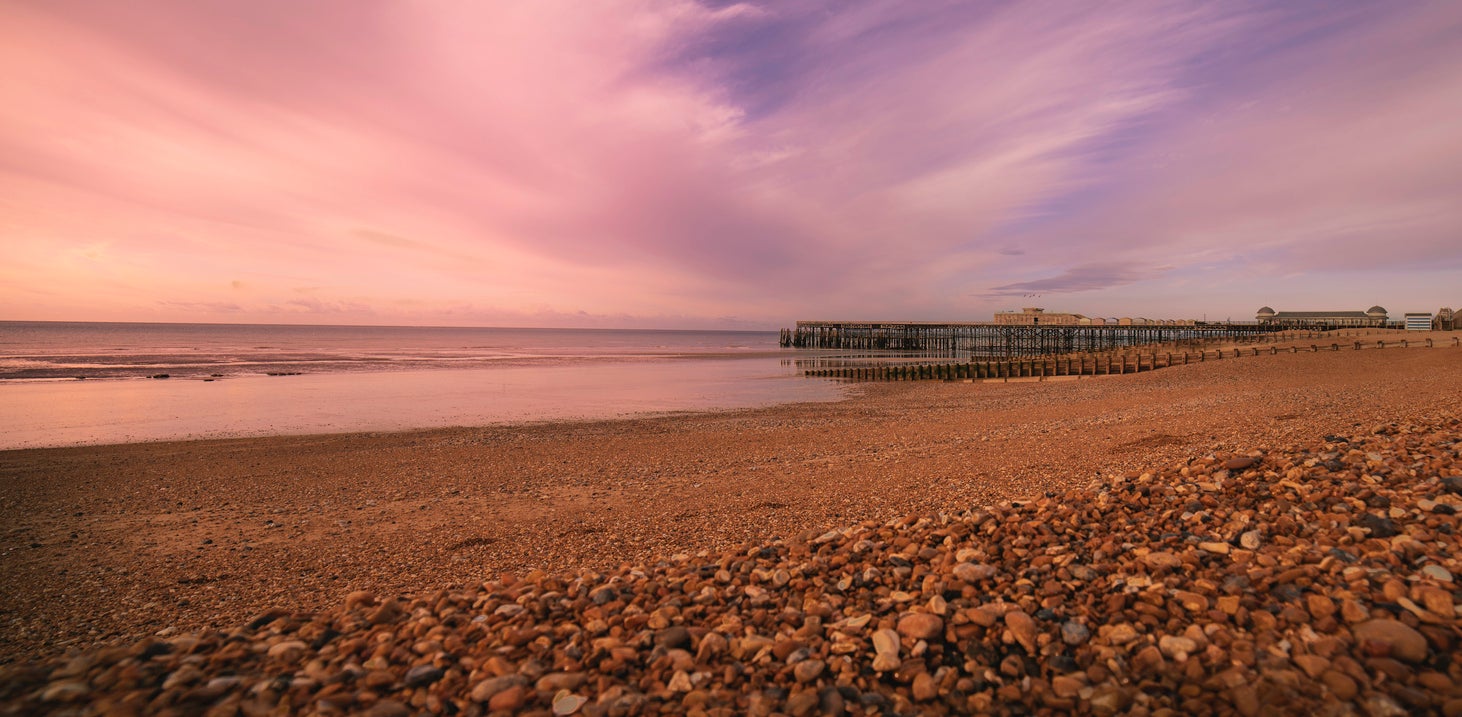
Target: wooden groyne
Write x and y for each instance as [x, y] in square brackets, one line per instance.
[1083, 364]
[1003, 340]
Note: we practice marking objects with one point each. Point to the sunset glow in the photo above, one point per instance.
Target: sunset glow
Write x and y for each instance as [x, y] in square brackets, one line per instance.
[669, 163]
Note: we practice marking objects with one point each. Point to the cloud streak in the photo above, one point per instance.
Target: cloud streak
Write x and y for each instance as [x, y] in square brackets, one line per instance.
[665, 160]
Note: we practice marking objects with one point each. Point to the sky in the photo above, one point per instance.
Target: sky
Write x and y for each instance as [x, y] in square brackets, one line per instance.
[683, 164]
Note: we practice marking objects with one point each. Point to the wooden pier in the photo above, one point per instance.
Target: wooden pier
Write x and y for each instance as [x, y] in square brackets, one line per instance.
[1003, 340]
[1080, 365]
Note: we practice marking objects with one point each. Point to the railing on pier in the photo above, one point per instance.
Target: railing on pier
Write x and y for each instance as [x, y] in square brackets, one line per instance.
[1003, 340]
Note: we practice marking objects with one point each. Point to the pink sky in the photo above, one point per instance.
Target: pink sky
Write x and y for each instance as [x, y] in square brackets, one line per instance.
[667, 163]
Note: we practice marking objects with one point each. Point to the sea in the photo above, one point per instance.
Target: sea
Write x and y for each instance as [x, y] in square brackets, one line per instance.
[81, 383]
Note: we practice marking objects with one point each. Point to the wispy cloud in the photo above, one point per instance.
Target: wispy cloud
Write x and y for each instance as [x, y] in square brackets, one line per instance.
[1087, 277]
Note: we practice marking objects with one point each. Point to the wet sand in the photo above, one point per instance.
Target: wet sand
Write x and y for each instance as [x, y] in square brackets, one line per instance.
[108, 544]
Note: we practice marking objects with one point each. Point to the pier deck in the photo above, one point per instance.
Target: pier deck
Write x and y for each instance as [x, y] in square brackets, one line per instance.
[1001, 340]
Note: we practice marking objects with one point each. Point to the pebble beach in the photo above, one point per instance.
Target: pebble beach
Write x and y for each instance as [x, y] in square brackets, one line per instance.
[1273, 535]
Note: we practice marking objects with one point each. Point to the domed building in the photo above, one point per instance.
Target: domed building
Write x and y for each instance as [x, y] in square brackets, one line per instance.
[1375, 316]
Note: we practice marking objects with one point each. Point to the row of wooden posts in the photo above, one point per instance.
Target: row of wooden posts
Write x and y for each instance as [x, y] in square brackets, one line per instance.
[1079, 365]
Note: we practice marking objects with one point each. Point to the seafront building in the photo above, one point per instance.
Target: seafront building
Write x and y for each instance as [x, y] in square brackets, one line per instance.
[1445, 320]
[1036, 316]
[1418, 321]
[1372, 317]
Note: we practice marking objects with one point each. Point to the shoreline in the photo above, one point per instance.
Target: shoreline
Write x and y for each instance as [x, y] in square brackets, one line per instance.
[133, 539]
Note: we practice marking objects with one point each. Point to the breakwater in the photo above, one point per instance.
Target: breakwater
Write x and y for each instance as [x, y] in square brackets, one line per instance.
[1086, 365]
[1003, 340]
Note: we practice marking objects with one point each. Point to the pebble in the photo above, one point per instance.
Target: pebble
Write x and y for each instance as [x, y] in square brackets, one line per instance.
[1398, 639]
[1074, 633]
[1239, 463]
[808, 670]
[921, 626]
[1251, 540]
[1437, 572]
[567, 703]
[1023, 628]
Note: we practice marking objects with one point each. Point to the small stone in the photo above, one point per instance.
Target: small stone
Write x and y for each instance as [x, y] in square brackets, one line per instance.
[1161, 560]
[1312, 665]
[921, 626]
[388, 708]
[1246, 699]
[1399, 640]
[802, 703]
[1216, 548]
[808, 670]
[287, 648]
[1229, 604]
[1148, 659]
[924, 687]
[360, 597]
[972, 573]
[66, 691]
[1191, 601]
[559, 681]
[423, 675]
[1380, 527]
[1340, 685]
[1352, 612]
[886, 642]
[384, 613]
[1023, 628]
[1074, 633]
[1437, 600]
[1121, 634]
[567, 703]
[1437, 572]
[679, 682]
[1066, 687]
[485, 689]
[886, 662]
[1435, 681]
[1320, 606]
[509, 699]
[1238, 463]
[982, 616]
[673, 636]
[1251, 540]
[1176, 648]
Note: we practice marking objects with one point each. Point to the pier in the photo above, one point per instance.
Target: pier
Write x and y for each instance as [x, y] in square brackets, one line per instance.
[987, 340]
[1082, 365]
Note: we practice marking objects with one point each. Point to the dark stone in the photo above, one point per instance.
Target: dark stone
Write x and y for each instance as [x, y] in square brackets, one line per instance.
[1336, 439]
[1238, 463]
[1064, 663]
[675, 636]
[1333, 465]
[267, 617]
[1379, 527]
[1444, 509]
[1452, 484]
[1342, 556]
[423, 675]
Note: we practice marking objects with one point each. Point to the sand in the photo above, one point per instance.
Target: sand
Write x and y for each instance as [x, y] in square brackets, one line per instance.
[104, 545]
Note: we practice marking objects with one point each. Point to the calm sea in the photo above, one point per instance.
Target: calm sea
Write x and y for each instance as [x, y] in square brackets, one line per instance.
[81, 383]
